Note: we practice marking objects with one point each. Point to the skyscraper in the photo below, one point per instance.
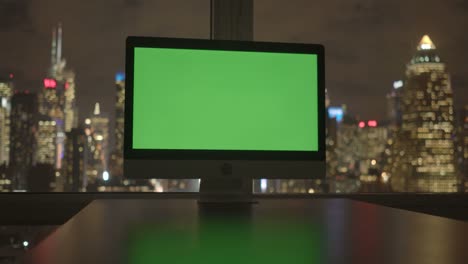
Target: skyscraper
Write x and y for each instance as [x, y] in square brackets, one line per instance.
[22, 136]
[116, 159]
[423, 157]
[119, 111]
[57, 98]
[99, 124]
[6, 88]
[462, 146]
[75, 160]
[97, 137]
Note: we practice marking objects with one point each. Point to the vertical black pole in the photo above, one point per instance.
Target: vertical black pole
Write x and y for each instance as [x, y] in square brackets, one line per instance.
[229, 20]
[232, 19]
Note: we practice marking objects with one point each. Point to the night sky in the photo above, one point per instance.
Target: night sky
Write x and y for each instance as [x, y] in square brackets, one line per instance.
[367, 42]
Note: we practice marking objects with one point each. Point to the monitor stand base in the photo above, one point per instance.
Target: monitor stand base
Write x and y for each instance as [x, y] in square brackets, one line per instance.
[226, 190]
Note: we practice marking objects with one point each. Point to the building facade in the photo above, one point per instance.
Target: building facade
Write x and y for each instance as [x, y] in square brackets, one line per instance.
[22, 137]
[6, 88]
[46, 134]
[423, 157]
[57, 97]
[75, 160]
[119, 111]
[99, 128]
[360, 146]
[116, 157]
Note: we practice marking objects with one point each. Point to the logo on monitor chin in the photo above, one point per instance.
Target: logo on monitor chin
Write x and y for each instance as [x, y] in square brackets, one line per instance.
[226, 169]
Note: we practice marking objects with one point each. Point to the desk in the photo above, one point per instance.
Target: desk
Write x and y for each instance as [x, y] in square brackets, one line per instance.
[271, 231]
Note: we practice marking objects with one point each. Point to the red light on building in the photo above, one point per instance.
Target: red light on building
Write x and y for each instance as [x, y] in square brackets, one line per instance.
[372, 123]
[11, 75]
[362, 124]
[50, 83]
[67, 85]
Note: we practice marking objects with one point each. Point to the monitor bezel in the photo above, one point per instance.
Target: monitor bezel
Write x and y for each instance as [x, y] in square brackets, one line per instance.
[226, 45]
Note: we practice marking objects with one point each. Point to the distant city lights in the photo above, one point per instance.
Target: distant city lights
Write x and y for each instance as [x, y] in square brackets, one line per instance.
[372, 123]
[263, 185]
[425, 46]
[336, 112]
[50, 83]
[397, 84]
[25, 243]
[120, 77]
[385, 176]
[105, 175]
[353, 152]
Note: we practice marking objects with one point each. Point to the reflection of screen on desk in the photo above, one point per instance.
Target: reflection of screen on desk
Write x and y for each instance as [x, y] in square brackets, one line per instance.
[224, 100]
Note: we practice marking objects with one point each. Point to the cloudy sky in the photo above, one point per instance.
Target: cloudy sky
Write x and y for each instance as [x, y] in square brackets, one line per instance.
[368, 42]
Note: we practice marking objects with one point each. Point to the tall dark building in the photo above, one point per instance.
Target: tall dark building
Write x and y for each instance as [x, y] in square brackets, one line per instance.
[75, 160]
[97, 131]
[462, 146]
[423, 157]
[22, 136]
[394, 104]
[116, 159]
[119, 111]
[6, 87]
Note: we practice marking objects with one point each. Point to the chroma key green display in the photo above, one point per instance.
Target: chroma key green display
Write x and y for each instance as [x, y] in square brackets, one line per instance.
[224, 100]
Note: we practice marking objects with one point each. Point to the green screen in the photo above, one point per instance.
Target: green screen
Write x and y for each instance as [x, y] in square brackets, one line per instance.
[224, 100]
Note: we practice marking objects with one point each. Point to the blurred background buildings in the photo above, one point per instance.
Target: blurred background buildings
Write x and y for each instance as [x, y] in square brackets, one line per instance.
[420, 147]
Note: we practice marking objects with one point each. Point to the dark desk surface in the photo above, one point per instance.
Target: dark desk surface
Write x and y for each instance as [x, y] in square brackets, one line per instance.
[272, 231]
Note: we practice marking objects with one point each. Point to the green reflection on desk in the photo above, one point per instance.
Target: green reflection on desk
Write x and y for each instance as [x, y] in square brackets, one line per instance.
[227, 242]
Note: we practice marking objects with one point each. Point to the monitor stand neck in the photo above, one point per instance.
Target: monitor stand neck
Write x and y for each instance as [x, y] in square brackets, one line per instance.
[226, 189]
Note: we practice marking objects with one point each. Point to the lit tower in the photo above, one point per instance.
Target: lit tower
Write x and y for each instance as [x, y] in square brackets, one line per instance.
[100, 130]
[6, 87]
[57, 98]
[97, 131]
[423, 157]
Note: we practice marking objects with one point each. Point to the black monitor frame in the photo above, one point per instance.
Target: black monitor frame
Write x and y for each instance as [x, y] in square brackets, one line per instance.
[227, 45]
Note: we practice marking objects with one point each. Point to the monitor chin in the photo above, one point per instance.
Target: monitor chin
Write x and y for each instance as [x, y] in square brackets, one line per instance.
[200, 169]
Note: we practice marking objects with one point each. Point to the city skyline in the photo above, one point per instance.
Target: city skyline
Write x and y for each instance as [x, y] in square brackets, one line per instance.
[357, 145]
[360, 143]
[366, 46]
[393, 139]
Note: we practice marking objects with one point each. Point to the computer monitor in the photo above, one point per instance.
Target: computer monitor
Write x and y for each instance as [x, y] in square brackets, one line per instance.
[206, 108]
